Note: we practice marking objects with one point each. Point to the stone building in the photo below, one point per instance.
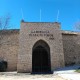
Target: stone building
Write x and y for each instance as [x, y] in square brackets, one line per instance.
[39, 47]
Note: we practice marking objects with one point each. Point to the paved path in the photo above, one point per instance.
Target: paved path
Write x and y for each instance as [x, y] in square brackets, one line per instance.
[25, 76]
[68, 73]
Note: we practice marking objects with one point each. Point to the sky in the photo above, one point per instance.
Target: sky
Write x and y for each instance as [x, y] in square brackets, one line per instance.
[68, 11]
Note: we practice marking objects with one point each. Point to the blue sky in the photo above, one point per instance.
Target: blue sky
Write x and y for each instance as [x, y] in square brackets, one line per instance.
[69, 11]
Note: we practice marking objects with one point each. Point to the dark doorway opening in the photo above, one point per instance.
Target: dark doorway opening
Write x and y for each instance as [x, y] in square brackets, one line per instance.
[41, 59]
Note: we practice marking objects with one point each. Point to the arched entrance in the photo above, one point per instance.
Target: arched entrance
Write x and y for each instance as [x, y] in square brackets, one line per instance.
[41, 57]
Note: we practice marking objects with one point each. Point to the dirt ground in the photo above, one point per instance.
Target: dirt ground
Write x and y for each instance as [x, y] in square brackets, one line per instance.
[26, 76]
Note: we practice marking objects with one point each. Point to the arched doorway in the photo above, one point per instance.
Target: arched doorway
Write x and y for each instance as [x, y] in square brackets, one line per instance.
[41, 57]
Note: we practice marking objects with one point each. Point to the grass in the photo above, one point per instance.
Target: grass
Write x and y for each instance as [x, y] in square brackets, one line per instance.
[77, 70]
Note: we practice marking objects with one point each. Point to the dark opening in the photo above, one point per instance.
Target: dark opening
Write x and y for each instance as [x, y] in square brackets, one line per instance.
[40, 60]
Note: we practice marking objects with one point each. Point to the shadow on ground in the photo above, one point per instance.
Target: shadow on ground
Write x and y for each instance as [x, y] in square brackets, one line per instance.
[74, 67]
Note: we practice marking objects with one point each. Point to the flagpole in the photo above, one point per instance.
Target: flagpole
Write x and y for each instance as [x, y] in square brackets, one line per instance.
[22, 13]
[40, 15]
[57, 16]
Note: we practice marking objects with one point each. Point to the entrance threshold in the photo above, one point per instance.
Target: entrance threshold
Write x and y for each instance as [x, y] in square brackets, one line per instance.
[50, 72]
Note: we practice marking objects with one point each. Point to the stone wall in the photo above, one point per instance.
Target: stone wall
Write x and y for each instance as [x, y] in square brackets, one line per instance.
[71, 47]
[9, 45]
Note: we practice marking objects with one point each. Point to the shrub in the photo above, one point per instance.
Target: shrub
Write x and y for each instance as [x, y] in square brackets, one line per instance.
[78, 70]
[3, 66]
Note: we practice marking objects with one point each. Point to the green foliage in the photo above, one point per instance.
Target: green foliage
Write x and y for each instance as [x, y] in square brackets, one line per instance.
[78, 70]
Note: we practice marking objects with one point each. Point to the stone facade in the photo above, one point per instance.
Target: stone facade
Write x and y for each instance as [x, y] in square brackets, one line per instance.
[9, 46]
[29, 36]
[16, 46]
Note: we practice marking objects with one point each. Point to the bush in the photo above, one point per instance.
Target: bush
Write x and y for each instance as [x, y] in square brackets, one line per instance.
[78, 70]
[3, 66]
